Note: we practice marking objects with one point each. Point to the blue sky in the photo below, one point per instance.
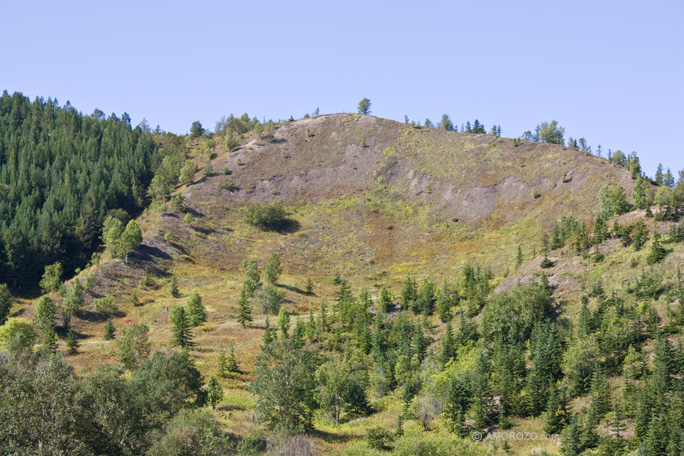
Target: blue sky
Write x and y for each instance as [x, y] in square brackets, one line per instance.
[609, 71]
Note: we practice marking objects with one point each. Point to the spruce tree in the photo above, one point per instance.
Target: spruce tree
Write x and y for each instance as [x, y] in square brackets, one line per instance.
[284, 323]
[71, 342]
[309, 287]
[244, 310]
[5, 302]
[273, 269]
[195, 312]
[448, 351]
[175, 293]
[182, 335]
[268, 332]
[385, 299]
[110, 330]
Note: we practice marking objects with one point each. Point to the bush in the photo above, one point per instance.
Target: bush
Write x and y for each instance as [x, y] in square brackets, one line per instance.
[105, 306]
[379, 438]
[266, 216]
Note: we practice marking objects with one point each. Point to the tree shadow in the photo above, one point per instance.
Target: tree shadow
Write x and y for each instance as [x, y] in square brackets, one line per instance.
[293, 288]
[329, 437]
[283, 226]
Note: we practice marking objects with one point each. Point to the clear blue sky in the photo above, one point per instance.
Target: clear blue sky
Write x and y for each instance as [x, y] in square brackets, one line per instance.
[609, 71]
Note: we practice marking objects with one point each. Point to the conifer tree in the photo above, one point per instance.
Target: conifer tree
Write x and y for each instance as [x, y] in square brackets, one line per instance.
[309, 287]
[110, 330]
[519, 257]
[214, 392]
[385, 302]
[284, 323]
[273, 269]
[44, 317]
[195, 312]
[5, 302]
[448, 345]
[182, 335]
[268, 333]
[252, 277]
[71, 342]
[175, 292]
[244, 310]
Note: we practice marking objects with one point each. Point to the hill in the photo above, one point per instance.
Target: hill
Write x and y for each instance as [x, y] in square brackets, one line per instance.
[376, 205]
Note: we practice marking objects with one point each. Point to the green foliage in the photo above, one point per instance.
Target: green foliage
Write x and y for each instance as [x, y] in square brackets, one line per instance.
[193, 433]
[285, 385]
[273, 269]
[550, 133]
[105, 306]
[196, 129]
[173, 288]
[341, 388]
[110, 330]
[134, 346]
[74, 301]
[120, 242]
[214, 392]
[182, 333]
[309, 287]
[640, 196]
[364, 106]
[44, 317]
[187, 173]
[244, 310]
[379, 438]
[61, 173]
[195, 312]
[19, 331]
[269, 299]
[52, 278]
[71, 342]
[613, 201]
[266, 216]
[658, 252]
[284, 323]
[5, 302]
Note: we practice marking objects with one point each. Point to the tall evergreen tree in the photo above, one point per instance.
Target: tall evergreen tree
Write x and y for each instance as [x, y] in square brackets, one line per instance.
[182, 334]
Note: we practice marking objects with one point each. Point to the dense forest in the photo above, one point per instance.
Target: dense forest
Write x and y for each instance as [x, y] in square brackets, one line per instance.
[61, 172]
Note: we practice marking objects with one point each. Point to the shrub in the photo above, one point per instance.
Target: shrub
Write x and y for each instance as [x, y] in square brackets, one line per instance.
[105, 306]
[379, 438]
[266, 216]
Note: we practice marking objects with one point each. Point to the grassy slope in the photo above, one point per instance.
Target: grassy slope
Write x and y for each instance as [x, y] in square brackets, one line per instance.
[448, 198]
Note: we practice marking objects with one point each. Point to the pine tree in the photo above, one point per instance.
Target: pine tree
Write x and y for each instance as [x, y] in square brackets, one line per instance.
[44, 317]
[273, 269]
[448, 345]
[244, 310]
[385, 299]
[182, 335]
[284, 323]
[252, 277]
[71, 342]
[110, 330]
[268, 333]
[195, 312]
[519, 257]
[409, 294]
[175, 293]
[309, 287]
[214, 392]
